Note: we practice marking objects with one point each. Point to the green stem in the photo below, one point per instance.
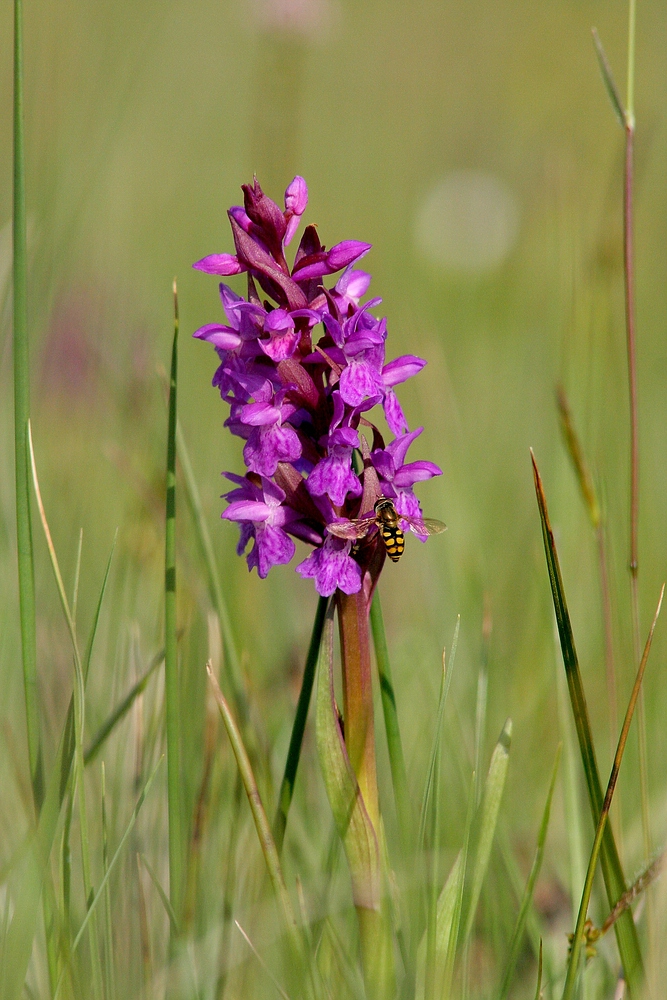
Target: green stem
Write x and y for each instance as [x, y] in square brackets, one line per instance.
[171, 673]
[26, 572]
[374, 930]
[394, 745]
[299, 726]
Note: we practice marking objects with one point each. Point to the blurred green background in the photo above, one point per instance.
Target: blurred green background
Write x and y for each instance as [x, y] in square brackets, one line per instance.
[474, 145]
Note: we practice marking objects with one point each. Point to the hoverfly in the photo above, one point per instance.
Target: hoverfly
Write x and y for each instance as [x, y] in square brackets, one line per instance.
[387, 520]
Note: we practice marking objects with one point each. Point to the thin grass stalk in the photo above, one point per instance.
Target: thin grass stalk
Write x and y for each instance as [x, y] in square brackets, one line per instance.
[299, 726]
[394, 744]
[626, 932]
[79, 719]
[262, 826]
[171, 671]
[434, 879]
[110, 965]
[231, 661]
[229, 888]
[578, 938]
[630, 324]
[26, 571]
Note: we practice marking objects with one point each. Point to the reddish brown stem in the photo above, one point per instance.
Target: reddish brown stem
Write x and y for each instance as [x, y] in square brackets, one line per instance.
[358, 695]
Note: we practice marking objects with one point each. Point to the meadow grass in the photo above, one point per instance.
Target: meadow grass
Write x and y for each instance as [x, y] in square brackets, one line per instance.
[124, 875]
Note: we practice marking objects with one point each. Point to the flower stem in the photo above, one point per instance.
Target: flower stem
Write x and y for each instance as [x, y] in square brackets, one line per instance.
[374, 924]
[358, 696]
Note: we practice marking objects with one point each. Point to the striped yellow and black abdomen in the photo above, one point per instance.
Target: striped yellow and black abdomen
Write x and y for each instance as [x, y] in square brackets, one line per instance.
[394, 541]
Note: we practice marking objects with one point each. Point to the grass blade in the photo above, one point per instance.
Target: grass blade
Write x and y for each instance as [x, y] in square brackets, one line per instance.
[169, 910]
[267, 843]
[626, 932]
[171, 671]
[608, 78]
[123, 840]
[517, 935]
[298, 728]
[577, 940]
[78, 698]
[447, 905]
[396, 759]
[231, 662]
[26, 571]
[485, 825]
[121, 710]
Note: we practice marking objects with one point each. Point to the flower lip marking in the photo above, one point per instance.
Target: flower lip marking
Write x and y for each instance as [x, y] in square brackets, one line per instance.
[388, 521]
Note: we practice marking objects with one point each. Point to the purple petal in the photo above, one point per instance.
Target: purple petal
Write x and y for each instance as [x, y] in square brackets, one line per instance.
[346, 253]
[260, 414]
[335, 477]
[399, 446]
[384, 464]
[333, 260]
[278, 321]
[267, 446]
[273, 548]
[415, 472]
[332, 568]
[246, 510]
[280, 348]
[220, 336]
[394, 413]
[353, 284]
[296, 196]
[359, 380]
[220, 263]
[401, 369]
[241, 216]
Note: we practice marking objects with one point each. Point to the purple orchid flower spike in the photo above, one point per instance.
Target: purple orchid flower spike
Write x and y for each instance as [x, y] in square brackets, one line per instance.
[298, 367]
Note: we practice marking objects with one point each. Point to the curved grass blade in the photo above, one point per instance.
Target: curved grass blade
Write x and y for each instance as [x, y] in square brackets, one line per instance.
[164, 898]
[299, 726]
[577, 940]
[121, 710]
[626, 932]
[262, 826]
[128, 830]
[231, 660]
[484, 827]
[517, 935]
[171, 671]
[394, 745]
[78, 698]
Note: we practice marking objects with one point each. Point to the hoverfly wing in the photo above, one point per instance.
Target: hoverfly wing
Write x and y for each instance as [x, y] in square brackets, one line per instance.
[425, 525]
[351, 530]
